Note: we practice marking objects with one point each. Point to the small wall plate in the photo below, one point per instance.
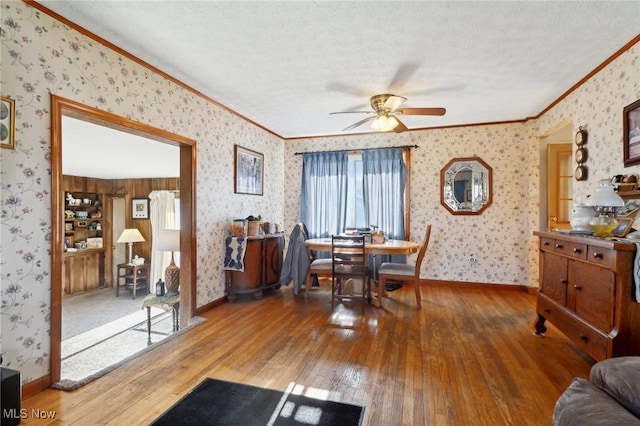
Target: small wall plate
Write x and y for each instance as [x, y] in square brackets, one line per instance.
[581, 137]
[581, 172]
[581, 155]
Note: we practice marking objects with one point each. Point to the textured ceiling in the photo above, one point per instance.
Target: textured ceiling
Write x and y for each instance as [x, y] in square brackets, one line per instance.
[287, 65]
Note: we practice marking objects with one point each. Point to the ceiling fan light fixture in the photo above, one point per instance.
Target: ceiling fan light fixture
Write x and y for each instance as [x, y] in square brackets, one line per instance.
[385, 113]
[384, 123]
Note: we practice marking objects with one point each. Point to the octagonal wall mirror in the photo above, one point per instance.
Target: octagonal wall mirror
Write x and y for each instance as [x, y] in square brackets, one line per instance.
[466, 186]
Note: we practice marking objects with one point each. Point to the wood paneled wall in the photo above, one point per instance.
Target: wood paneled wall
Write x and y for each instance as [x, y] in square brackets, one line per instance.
[127, 189]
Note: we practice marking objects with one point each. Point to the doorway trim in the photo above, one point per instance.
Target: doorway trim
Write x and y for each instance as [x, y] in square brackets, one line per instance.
[187, 147]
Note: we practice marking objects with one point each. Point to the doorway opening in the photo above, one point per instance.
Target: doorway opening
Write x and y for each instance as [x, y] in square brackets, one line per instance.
[186, 148]
[556, 175]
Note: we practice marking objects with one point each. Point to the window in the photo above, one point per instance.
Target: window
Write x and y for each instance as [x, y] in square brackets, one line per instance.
[355, 192]
[343, 189]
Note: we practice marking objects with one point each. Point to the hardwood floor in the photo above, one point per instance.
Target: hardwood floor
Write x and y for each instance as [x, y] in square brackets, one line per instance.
[468, 357]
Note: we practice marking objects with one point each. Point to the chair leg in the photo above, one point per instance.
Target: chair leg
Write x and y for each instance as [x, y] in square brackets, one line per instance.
[333, 292]
[416, 284]
[307, 285]
[366, 292]
[382, 289]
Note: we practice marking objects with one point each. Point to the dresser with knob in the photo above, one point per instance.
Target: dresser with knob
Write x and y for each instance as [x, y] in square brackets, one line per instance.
[587, 292]
[262, 265]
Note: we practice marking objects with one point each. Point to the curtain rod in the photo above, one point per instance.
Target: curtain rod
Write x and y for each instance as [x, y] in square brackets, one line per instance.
[361, 149]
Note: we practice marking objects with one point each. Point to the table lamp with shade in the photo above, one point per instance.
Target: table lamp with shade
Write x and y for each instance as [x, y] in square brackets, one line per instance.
[169, 240]
[130, 236]
[605, 202]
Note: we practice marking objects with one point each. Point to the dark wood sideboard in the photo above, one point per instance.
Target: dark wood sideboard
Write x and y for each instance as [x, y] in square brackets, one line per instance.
[262, 265]
[587, 292]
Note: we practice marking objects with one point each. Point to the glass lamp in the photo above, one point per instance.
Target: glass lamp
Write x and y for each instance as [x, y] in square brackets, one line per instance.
[169, 240]
[384, 123]
[605, 202]
[130, 236]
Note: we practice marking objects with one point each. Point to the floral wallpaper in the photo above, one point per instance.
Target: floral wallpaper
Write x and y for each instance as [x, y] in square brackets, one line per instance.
[501, 238]
[497, 238]
[41, 56]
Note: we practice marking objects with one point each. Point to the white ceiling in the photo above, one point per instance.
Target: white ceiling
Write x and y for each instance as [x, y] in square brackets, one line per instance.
[286, 65]
[92, 150]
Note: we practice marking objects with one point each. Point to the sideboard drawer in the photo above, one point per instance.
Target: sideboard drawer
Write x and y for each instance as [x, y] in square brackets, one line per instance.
[603, 256]
[546, 244]
[590, 341]
[570, 248]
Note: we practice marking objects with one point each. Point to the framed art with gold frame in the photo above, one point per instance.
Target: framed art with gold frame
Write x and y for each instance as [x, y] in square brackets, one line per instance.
[7, 123]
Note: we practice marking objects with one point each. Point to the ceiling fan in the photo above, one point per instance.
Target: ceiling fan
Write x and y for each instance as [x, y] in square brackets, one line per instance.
[386, 108]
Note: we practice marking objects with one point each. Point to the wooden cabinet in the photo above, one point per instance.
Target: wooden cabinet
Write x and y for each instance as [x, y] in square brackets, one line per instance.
[262, 265]
[84, 257]
[83, 221]
[83, 270]
[587, 292]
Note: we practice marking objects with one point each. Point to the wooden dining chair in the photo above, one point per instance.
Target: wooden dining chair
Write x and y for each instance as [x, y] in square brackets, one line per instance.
[349, 261]
[318, 268]
[391, 271]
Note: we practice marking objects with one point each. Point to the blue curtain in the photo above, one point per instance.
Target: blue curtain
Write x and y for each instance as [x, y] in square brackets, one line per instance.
[324, 193]
[385, 176]
[458, 191]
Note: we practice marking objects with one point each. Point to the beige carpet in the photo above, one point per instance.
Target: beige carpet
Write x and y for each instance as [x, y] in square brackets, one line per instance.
[87, 311]
[101, 332]
[102, 356]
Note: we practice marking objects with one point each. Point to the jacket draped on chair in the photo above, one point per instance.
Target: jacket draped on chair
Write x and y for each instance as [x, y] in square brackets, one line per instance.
[296, 261]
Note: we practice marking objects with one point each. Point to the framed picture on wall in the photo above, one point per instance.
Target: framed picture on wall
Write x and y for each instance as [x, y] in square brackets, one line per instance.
[248, 171]
[69, 242]
[631, 133]
[140, 208]
[7, 123]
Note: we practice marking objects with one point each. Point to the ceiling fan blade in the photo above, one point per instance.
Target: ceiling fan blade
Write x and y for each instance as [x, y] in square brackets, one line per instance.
[359, 123]
[394, 102]
[402, 76]
[400, 127]
[351, 112]
[422, 111]
[343, 88]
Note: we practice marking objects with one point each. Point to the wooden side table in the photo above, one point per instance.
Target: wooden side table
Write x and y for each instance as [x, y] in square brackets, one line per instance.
[136, 276]
[163, 302]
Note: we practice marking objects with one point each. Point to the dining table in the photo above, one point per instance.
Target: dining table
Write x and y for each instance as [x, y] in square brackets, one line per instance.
[389, 247]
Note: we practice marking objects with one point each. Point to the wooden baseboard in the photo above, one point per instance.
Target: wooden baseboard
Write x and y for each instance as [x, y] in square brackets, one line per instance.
[36, 386]
[204, 308]
[482, 286]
